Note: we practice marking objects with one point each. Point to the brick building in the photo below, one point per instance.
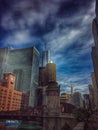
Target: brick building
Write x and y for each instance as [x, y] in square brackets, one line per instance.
[10, 99]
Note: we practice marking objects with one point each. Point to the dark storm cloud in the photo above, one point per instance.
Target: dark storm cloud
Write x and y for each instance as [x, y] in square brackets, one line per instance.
[71, 7]
[23, 14]
[96, 10]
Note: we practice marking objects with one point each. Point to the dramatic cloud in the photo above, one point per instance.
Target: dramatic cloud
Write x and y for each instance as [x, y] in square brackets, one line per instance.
[63, 26]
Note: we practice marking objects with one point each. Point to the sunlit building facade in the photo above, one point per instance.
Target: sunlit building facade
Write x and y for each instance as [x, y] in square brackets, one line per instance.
[6, 92]
[51, 72]
[11, 99]
[65, 97]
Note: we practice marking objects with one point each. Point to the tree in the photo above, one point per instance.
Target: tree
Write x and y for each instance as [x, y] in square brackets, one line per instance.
[82, 114]
[66, 127]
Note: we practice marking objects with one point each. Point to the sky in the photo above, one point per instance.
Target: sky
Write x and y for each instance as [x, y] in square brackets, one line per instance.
[62, 26]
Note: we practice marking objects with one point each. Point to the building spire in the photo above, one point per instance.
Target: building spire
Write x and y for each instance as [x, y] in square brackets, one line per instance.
[72, 90]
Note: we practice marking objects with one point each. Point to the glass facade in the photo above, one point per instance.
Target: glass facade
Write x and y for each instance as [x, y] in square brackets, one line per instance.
[24, 63]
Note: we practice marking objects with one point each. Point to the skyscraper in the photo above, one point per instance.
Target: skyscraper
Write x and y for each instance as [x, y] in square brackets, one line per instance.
[3, 60]
[42, 76]
[91, 93]
[95, 49]
[95, 31]
[94, 88]
[45, 57]
[24, 63]
[51, 72]
[72, 90]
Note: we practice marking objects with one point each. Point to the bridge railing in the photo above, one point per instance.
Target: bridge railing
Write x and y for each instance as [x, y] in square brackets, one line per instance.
[27, 112]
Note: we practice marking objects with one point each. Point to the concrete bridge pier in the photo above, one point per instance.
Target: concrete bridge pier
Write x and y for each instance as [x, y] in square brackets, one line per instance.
[51, 123]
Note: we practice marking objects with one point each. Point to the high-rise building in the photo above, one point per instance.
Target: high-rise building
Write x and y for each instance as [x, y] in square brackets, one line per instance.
[24, 63]
[95, 91]
[87, 103]
[72, 90]
[94, 88]
[3, 60]
[95, 49]
[51, 72]
[95, 63]
[39, 93]
[42, 76]
[91, 93]
[45, 57]
[77, 99]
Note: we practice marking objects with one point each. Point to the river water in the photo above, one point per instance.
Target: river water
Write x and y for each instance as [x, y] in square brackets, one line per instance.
[23, 126]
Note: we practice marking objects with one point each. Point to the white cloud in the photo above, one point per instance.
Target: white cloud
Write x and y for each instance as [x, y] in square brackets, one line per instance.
[60, 41]
[18, 37]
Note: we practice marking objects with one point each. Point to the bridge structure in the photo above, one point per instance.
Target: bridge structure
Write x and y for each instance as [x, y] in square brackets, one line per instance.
[41, 117]
[33, 114]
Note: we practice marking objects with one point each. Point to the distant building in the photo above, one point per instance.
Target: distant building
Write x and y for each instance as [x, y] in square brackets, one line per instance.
[10, 99]
[65, 97]
[24, 101]
[91, 92]
[24, 63]
[67, 107]
[72, 90]
[45, 57]
[87, 103]
[77, 99]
